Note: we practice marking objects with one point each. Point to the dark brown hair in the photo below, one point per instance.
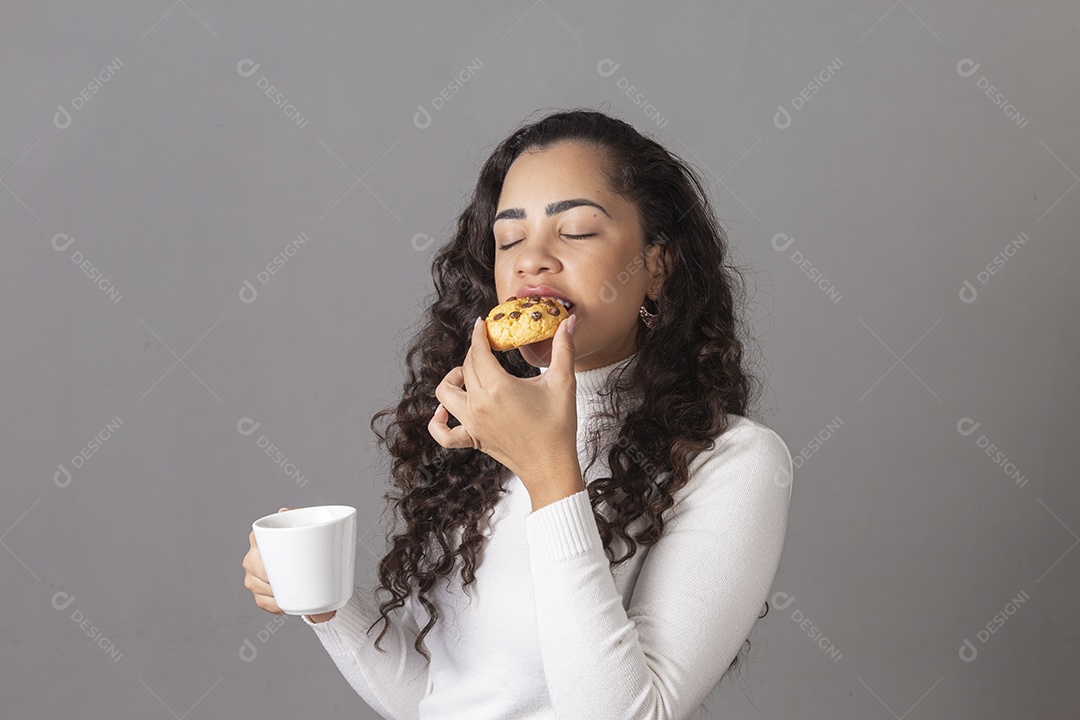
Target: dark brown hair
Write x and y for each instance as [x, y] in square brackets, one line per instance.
[686, 377]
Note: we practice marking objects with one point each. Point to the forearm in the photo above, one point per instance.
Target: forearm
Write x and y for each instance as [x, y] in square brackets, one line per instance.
[393, 679]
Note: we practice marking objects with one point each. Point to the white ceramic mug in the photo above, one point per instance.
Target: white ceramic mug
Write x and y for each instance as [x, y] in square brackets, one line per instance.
[310, 557]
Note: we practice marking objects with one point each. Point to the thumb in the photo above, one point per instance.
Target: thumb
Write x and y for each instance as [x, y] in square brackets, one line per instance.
[563, 347]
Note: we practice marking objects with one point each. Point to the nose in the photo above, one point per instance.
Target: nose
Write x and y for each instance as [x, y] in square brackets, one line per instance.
[537, 255]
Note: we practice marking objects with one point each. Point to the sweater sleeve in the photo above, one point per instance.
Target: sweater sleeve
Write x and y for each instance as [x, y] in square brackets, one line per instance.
[699, 592]
[393, 680]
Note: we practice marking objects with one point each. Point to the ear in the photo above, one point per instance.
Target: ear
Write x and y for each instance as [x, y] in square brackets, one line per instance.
[656, 259]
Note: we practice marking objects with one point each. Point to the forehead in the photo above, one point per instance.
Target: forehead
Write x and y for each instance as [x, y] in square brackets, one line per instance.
[566, 169]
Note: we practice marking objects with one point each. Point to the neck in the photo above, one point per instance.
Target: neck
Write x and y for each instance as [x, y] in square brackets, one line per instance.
[591, 383]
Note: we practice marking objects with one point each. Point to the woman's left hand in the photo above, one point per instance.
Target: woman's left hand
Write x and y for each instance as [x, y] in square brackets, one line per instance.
[527, 424]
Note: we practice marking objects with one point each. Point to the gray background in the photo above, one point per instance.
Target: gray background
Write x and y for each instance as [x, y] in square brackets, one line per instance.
[179, 180]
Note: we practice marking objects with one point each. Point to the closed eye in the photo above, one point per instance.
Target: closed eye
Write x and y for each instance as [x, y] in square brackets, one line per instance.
[572, 237]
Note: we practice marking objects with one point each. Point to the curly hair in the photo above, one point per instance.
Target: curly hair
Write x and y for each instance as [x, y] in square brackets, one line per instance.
[687, 375]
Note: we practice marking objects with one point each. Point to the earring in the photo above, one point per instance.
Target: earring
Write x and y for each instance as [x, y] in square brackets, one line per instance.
[651, 320]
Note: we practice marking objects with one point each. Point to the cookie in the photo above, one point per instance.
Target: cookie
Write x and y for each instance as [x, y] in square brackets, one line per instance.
[521, 321]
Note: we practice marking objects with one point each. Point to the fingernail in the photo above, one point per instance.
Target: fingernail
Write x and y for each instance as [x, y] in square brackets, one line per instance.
[437, 409]
[282, 509]
[570, 324]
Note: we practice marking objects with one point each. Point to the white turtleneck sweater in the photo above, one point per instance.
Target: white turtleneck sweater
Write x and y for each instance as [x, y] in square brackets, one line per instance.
[551, 632]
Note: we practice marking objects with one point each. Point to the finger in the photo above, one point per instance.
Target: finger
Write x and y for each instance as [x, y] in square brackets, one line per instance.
[269, 604]
[485, 364]
[453, 400]
[256, 581]
[453, 380]
[562, 347]
[258, 586]
[449, 391]
[472, 379]
[448, 437]
[253, 563]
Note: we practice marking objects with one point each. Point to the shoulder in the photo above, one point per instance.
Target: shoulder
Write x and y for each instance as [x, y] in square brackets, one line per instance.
[751, 436]
[749, 456]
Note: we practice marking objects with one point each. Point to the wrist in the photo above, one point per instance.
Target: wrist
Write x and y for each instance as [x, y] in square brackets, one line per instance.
[554, 485]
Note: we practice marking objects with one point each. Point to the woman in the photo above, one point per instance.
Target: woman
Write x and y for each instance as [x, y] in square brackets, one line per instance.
[617, 516]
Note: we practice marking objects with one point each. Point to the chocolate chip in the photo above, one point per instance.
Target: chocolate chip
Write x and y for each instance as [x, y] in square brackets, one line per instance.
[554, 311]
[527, 304]
[512, 297]
[536, 314]
[515, 314]
[499, 316]
[534, 298]
[549, 302]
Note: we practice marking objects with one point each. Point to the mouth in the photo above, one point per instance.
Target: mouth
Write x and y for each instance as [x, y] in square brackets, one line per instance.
[566, 304]
[535, 296]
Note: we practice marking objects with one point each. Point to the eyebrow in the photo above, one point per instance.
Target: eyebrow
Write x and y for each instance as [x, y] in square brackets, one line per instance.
[552, 209]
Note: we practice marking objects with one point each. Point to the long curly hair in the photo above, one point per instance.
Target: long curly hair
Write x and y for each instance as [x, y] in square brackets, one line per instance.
[685, 379]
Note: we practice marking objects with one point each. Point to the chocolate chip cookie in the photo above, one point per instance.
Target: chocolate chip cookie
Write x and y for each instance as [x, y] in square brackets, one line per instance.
[521, 321]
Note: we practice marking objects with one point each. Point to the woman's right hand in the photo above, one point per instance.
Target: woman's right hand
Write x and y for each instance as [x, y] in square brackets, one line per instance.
[256, 581]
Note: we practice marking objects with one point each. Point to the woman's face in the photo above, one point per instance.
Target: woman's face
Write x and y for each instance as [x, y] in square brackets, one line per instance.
[541, 208]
